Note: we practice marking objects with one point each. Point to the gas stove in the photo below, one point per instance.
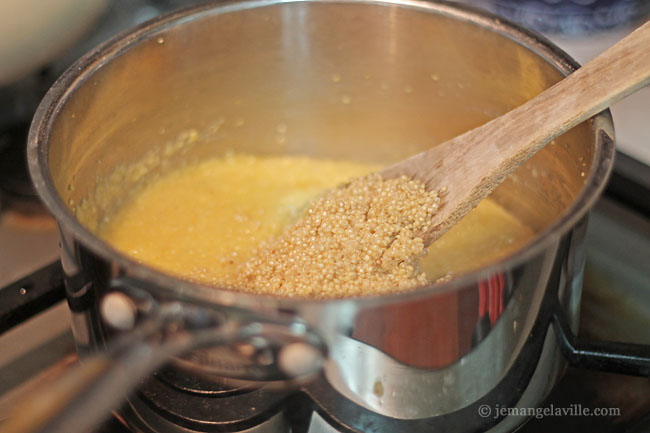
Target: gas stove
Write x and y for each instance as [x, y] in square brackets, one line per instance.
[615, 306]
[37, 342]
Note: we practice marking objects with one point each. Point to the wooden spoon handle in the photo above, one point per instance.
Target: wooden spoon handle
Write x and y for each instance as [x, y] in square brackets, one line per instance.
[616, 73]
[473, 164]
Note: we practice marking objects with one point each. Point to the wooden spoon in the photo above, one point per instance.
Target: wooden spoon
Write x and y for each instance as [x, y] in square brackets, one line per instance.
[473, 164]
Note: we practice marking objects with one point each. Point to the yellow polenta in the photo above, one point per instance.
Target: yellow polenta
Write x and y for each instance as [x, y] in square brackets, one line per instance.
[203, 221]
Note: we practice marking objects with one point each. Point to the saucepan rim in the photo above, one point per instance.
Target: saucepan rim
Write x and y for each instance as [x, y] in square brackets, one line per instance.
[74, 77]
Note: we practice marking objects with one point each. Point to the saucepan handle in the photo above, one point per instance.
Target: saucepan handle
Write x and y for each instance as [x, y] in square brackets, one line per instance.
[613, 357]
[84, 396]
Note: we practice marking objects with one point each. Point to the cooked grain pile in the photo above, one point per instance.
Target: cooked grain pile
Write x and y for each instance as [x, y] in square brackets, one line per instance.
[359, 239]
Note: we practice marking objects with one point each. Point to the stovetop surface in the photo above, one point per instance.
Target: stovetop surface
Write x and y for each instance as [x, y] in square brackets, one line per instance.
[616, 297]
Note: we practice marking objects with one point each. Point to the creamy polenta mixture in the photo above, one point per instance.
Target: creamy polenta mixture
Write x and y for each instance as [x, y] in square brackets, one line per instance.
[231, 221]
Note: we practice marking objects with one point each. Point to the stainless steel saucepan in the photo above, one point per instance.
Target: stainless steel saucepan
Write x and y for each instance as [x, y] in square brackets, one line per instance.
[362, 80]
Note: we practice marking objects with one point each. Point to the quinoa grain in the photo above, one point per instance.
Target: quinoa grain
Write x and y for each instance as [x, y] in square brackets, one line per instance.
[362, 238]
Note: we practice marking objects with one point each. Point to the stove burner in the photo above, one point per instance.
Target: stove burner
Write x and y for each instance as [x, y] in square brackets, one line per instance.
[159, 406]
[195, 385]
